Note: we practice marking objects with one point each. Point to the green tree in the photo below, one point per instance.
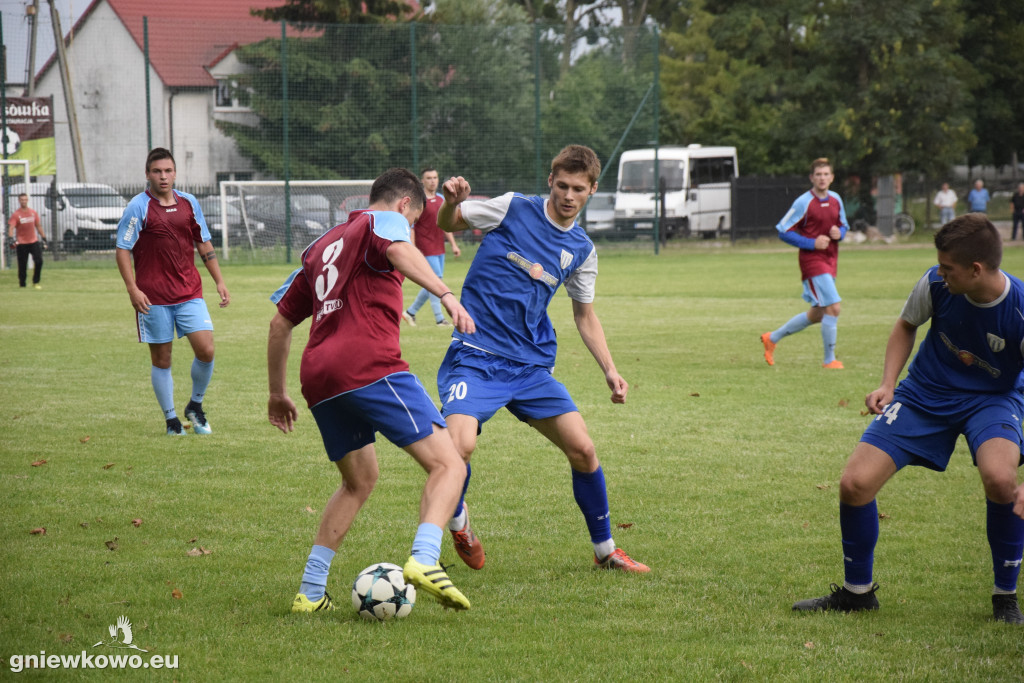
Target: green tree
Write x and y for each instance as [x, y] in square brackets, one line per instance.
[336, 11]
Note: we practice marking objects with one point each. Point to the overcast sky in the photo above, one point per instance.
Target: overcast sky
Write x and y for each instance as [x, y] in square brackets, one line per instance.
[16, 32]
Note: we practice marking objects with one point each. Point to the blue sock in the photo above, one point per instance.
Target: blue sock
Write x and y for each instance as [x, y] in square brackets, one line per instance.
[859, 527]
[163, 387]
[591, 495]
[465, 486]
[426, 547]
[792, 326]
[1006, 538]
[828, 336]
[314, 579]
[201, 374]
[417, 303]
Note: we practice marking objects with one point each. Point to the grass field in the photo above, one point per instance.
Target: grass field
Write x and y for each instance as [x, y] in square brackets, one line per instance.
[722, 472]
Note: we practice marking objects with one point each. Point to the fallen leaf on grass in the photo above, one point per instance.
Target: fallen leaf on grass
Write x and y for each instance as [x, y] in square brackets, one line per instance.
[176, 594]
[111, 545]
[39, 531]
[623, 525]
[85, 439]
[108, 465]
[865, 413]
[38, 463]
[198, 552]
[806, 525]
[136, 522]
[310, 510]
[695, 394]
[193, 540]
[84, 525]
[823, 487]
[809, 645]
[882, 515]
[66, 637]
[843, 402]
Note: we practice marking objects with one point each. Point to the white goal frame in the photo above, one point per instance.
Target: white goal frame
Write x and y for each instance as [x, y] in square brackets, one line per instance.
[242, 184]
[3, 240]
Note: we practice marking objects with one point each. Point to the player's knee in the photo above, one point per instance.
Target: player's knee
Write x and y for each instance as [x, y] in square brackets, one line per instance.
[1000, 487]
[582, 456]
[854, 490]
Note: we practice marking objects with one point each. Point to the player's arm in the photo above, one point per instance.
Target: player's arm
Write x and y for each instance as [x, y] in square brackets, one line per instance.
[449, 216]
[408, 261]
[281, 409]
[592, 333]
[787, 226]
[209, 257]
[140, 302]
[39, 230]
[897, 352]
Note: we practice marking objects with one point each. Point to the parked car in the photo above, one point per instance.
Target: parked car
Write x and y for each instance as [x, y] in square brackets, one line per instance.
[237, 235]
[350, 204]
[87, 213]
[600, 212]
[310, 218]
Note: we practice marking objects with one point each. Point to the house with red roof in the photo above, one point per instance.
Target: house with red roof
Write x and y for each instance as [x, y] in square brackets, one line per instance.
[192, 66]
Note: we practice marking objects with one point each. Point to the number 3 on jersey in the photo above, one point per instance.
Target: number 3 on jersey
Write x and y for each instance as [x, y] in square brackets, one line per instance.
[328, 277]
[890, 413]
[456, 391]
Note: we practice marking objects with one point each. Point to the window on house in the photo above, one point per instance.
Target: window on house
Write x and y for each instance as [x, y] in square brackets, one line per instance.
[230, 95]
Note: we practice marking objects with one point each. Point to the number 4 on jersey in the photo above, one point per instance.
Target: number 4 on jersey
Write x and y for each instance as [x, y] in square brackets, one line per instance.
[890, 412]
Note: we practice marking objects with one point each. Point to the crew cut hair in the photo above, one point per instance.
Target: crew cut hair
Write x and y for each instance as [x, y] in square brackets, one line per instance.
[158, 153]
[971, 238]
[395, 183]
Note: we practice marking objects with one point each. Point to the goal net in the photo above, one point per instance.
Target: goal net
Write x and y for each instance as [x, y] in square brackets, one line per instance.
[255, 212]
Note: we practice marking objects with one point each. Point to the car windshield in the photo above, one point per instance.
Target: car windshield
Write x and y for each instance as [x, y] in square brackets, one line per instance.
[95, 198]
[638, 176]
[211, 207]
[311, 202]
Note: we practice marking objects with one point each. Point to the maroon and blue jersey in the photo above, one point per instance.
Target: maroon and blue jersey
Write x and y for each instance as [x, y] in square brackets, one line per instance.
[809, 217]
[162, 240]
[429, 237]
[353, 294]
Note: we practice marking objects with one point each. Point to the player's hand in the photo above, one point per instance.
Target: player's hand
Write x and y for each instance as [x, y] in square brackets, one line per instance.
[821, 242]
[225, 296]
[618, 385]
[282, 412]
[1018, 504]
[461, 319]
[835, 233]
[140, 302]
[878, 399]
[455, 190]
[456, 252]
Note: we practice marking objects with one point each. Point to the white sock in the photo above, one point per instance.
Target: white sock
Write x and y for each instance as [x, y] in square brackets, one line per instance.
[604, 549]
[858, 590]
[459, 523]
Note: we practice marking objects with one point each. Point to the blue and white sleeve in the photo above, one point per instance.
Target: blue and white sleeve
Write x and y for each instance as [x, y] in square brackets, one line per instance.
[486, 215]
[131, 222]
[918, 308]
[197, 211]
[792, 217]
[391, 226]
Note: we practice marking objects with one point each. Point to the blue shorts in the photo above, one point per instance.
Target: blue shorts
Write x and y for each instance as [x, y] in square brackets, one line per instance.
[820, 290]
[921, 428]
[157, 326]
[397, 406]
[476, 383]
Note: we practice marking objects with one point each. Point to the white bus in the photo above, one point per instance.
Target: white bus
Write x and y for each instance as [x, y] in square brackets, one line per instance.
[696, 182]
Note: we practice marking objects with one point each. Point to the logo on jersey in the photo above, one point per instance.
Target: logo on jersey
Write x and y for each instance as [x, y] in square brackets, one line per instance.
[565, 260]
[995, 343]
[329, 306]
[171, 210]
[968, 358]
[130, 231]
[536, 270]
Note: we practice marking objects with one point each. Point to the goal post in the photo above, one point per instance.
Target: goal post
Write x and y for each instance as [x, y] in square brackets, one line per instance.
[4, 163]
[252, 213]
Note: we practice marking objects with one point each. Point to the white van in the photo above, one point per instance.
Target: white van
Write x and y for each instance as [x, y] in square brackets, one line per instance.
[87, 213]
[697, 190]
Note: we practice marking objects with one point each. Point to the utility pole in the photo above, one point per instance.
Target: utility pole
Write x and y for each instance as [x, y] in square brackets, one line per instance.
[33, 16]
[69, 98]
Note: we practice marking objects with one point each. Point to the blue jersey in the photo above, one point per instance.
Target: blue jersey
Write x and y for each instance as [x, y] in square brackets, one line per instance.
[515, 273]
[970, 347]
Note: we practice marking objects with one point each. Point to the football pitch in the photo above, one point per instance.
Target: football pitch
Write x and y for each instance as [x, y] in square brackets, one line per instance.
[722, 477]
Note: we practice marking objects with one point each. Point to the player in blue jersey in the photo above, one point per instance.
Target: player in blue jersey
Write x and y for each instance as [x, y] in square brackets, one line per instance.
[965, 379]
[815, 224]
[531, 247]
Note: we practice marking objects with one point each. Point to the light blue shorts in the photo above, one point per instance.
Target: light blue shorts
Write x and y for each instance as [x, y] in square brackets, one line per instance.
[476, 383]
[397, 406]
[821, 291]
[157, 326]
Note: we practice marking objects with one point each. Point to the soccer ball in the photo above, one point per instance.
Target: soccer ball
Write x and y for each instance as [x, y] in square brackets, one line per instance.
[380, 593]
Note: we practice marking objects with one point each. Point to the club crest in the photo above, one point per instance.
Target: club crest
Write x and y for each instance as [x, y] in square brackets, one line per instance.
[995, 343]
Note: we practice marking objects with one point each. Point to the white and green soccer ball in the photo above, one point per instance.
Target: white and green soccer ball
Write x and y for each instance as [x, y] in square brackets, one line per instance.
[380, 593]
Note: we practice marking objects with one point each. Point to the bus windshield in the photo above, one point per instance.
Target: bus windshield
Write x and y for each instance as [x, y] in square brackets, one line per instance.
[638, 176]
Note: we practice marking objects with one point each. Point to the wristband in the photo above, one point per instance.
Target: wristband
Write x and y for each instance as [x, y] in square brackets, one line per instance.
[445, 294]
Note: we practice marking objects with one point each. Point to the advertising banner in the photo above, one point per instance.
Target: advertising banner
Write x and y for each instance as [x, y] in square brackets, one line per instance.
[28, 123]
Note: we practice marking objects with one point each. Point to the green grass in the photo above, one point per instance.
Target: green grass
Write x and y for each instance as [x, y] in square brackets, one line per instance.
[725, 469]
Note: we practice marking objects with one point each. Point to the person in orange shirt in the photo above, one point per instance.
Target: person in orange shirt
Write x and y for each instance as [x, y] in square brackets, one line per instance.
[26, 232]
